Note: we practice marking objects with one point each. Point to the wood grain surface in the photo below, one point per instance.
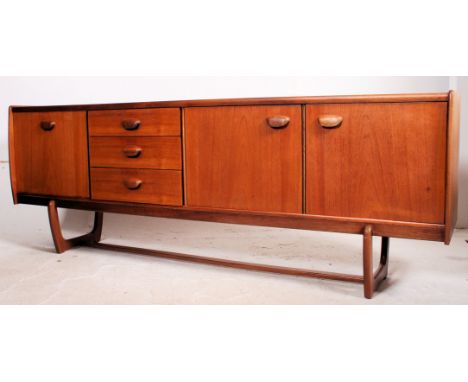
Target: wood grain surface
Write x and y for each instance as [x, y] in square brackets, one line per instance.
[157, 186]
[235, 160]
[385, 161]
[155, 152]
[153, 122]
[51, 162]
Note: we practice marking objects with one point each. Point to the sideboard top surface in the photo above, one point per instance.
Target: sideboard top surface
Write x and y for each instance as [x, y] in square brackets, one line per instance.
[418, 97]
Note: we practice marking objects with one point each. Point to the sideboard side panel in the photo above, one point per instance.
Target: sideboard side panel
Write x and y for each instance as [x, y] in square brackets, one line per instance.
[453, 135]
[11, 156]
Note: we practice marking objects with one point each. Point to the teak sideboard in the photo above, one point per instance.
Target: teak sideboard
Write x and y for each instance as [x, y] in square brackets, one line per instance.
[374, 165]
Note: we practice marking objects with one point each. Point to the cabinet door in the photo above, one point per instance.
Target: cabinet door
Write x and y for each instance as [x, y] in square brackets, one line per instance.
[236, 160]
[385, 161]
[51, 153]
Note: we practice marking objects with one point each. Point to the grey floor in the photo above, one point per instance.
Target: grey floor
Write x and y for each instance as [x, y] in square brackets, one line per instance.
[32, 273]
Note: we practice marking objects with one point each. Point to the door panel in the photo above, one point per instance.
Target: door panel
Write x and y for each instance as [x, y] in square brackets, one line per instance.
[51, 153]
[236, 160]
[385, 161]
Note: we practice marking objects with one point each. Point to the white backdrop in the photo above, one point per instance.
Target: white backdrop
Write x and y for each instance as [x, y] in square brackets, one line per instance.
[73, 90]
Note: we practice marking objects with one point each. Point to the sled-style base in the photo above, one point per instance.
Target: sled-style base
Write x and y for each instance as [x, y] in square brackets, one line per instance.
[370, 279]
[61, 244]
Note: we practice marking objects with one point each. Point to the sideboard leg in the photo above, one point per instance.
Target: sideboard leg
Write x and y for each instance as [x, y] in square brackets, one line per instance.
[62, 244]
[382, 271]
[368, 262]
[373, 279]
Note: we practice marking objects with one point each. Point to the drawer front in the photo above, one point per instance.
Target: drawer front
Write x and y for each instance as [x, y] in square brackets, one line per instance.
[137, 122]
[382, 161]
[136, 152]
[51, 153]
[136, 185]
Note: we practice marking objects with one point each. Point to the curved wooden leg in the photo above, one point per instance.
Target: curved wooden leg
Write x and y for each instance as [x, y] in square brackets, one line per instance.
[62, 244]
[382, 271]
[372, 280]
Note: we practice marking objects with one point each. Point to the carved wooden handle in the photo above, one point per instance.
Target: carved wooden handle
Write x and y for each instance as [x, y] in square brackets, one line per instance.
[131, 124]
[47, 125]
[132, 151]
[133, 183]
[330, 121]
[278, 122]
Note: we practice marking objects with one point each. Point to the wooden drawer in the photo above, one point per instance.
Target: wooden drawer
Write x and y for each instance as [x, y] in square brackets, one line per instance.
[137, 122]
[136, 152]
[136, 185]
